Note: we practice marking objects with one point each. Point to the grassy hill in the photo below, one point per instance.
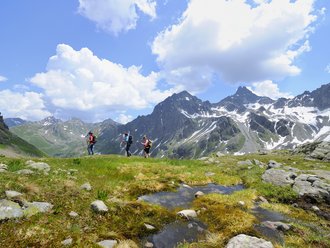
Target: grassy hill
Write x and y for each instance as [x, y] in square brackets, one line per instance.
[11, 145]
[119, 181]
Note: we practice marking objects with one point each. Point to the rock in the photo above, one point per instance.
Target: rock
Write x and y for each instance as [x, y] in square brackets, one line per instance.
[241, 203]
[313, 187]
[315, 209]
[40, 166]
[86, 186]
[246, 241]
[10, 194]
[148, 245]
[67, 242]
[73, 214]
[263, 199]
[10, 210]
[25, 172]
[279, 177]
[188, 214]
[246, 162]
[203, 158]
[107, 243]
[149, 227]
[98, 206]
[199, 194]
[43, 207]
[273, 164]
[209, 174]
[277, 225]
[186, 186]
[3, 168]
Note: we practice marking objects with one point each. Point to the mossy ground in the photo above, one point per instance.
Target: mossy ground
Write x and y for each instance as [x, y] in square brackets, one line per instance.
[118, 181]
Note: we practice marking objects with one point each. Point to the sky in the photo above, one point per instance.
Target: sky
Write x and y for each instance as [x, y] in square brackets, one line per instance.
[100, 59]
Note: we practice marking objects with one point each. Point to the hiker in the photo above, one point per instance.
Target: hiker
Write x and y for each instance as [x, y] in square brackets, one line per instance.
[127, 140]
[91, 142]
[146, 146]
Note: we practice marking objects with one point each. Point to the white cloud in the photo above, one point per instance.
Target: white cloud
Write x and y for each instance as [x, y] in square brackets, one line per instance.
[115, 16]
[3, 79]
[28, 105]
[123, 118]
[80, 81]
[235, 41]
[327, 69]
[268, 88]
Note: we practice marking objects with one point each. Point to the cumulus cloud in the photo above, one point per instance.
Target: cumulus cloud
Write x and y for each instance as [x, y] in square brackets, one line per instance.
[123, 118]
[28, 105]
[3, 79]
[80, 81]
[115, 16]
[235, 41]
[268, 88]
[327, 69]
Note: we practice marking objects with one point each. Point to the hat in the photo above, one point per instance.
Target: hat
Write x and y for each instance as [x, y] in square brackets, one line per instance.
[90, 132]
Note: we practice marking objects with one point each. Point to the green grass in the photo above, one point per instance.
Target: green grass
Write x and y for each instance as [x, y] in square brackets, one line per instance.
[119, 181]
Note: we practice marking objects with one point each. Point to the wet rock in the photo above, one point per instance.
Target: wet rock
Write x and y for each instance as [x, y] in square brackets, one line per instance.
[25, 172]
[67, 242]
[10, 194]
[273, 164]
[186, 186]
[188, 214]
[279, 177]
[10, 210]
[86, 186]
[148, 245]
[277, 225]
[246, 241]
[107, 243]
[40, 166]
[199, 194]
[98, 206]
[263, 199]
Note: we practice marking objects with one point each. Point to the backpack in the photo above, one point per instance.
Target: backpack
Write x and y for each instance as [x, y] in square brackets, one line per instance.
[130, 140]
[149, 143]
[94, 139]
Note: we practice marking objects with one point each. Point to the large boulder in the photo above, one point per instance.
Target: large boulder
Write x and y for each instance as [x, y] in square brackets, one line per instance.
[279, 177]
[10, 210]
[313, 187]
[246, 241]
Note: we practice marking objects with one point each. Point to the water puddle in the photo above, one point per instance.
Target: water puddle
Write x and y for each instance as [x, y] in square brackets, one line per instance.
[185, 195]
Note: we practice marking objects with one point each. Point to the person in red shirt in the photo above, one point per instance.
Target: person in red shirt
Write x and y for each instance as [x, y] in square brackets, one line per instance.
[91, 142]
[146, 146]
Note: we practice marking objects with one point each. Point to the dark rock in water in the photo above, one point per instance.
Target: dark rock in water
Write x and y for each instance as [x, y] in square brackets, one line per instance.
[178, 232]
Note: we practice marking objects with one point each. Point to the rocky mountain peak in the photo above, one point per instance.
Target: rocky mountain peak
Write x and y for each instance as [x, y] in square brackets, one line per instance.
[50, 120]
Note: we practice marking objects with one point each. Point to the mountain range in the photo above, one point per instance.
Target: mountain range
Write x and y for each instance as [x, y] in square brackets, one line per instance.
[183, 126]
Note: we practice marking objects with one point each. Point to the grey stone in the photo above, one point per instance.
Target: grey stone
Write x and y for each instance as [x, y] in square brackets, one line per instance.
[209, 174]
[279, 177]
[148, 245]
[273, 164]
[149, 227]
[43, 207]
[219, 154]
[198, 194]
[188, 214]
[98, 206]
[86, 186]
[245, 241]
[25, 172]
[10, 210]
[67, 242]
[40, 166]
[315, 208]
[107, 243]
[3, 168]
[277, 225]
[12, 194]
[246, 162]
[73, 214]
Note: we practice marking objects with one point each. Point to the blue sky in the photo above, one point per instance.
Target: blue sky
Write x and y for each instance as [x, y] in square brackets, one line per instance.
[99, 59]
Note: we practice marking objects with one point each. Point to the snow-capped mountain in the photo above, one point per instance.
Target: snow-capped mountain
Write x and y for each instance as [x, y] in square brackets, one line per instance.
[185, 126]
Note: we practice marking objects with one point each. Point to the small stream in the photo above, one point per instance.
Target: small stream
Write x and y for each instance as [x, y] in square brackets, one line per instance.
[190, 231]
